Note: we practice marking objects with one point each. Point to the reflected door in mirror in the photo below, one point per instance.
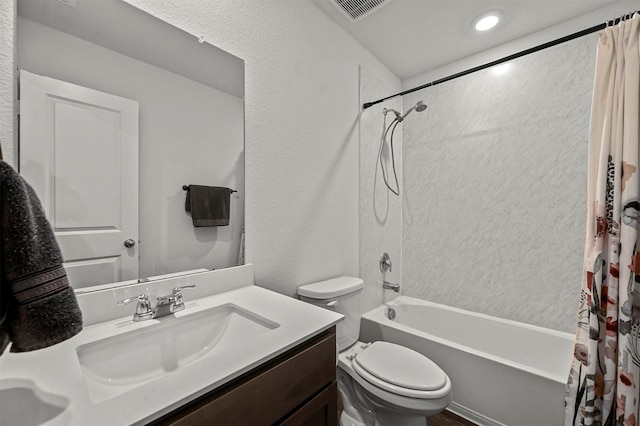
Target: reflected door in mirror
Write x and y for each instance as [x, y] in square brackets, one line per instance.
[79, 151]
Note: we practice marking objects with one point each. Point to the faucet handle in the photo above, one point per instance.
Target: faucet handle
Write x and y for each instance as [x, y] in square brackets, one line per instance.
[178, 303]
[178, 290]
[143, 309]
[141, 298]
[385, 262]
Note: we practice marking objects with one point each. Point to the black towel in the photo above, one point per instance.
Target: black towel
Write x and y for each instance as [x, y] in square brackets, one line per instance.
[38, 308]
[209, 205]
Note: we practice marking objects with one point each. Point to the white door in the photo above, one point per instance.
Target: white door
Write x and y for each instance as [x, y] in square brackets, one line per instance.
[79, 151]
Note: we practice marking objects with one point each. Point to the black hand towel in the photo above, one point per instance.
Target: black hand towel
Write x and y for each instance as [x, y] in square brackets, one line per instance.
[209, 205]
[38, 308]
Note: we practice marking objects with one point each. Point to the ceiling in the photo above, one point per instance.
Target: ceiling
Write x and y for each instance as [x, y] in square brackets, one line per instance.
[113, 24]
[414, 36]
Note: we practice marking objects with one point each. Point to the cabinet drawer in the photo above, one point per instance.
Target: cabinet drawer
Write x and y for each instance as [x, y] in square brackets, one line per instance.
[269, 393]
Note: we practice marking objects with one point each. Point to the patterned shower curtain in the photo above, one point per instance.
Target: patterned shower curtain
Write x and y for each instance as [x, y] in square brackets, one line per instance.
[604, 382]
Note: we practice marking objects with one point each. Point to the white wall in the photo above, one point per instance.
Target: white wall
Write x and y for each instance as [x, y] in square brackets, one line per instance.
[7, 80]
[301, 104]
[495, 181]
[189, 134]
[301, 108]
[414, 227]
[495, 177]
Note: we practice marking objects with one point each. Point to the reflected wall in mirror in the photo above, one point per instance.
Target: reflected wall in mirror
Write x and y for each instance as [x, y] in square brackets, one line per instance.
[190, 131]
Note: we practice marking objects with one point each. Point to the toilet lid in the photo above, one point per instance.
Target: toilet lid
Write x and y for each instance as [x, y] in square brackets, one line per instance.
[400, 366]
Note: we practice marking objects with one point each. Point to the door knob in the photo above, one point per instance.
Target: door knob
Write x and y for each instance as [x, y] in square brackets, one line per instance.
[129, 243]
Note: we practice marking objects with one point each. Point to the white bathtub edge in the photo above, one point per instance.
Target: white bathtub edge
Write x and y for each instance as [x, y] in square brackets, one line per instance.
[412, 300]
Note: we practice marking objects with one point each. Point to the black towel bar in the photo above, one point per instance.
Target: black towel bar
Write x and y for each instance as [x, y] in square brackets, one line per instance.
[186, 187]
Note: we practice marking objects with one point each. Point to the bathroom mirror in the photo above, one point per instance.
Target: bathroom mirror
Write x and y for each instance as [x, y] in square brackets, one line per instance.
[190, 98]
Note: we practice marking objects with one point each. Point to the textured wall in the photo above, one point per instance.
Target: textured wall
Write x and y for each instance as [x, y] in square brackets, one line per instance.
[495, 178]
[301, 112]
[301, 130]
[7, 79]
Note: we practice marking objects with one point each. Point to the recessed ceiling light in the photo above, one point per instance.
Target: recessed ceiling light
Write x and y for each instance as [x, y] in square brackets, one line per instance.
[487, 20]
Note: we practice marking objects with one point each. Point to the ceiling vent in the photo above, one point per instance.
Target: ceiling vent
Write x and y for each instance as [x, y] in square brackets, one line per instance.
[358, 9]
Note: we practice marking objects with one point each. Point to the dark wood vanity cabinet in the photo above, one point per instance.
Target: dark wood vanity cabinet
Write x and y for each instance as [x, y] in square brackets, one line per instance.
[296, 388]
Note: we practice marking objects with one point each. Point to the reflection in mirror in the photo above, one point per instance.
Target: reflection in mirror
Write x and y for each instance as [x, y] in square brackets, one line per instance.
[184, 100]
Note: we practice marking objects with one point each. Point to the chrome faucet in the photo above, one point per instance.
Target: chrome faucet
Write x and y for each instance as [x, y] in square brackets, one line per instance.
[391, 286]
[143, 309]
[165, 305]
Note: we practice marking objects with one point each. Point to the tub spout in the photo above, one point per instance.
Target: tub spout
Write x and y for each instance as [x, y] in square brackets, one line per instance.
[391, 286]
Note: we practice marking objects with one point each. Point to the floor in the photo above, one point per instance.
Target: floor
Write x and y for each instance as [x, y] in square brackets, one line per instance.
[447, 418]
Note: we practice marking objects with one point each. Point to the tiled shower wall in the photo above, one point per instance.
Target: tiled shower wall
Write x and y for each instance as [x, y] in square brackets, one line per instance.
[494, 177]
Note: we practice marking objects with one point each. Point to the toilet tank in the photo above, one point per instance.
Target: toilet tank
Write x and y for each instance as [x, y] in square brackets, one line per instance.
[343, 295]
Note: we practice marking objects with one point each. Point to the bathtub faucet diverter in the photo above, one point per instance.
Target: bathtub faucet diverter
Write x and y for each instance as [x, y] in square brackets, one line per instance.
[391, 286]
[165, 305]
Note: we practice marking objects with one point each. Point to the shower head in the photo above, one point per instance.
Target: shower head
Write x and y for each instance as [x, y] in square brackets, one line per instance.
[419, 106]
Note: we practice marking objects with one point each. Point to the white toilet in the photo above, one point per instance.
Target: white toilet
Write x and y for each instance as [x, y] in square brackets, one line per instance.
[380, 383]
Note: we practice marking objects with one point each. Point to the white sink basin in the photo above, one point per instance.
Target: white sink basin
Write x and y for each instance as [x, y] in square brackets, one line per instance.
[22, 402]
[122, 362]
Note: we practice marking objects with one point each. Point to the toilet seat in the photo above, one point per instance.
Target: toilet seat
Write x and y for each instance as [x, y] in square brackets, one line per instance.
[400, 370]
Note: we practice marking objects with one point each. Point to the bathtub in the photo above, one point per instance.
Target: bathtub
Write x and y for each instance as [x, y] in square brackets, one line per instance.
[503, 372]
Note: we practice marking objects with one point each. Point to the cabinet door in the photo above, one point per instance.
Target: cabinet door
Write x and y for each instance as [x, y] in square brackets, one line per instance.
[273, 392]
[320, 411]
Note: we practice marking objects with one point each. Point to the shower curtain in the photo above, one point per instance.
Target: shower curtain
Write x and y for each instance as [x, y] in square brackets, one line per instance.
[604, 381]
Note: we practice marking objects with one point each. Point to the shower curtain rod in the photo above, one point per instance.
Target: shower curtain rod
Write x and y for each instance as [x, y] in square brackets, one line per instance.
[509, 58]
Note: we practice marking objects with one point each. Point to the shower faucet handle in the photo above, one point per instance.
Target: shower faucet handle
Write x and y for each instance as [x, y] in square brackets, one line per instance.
[385, 262]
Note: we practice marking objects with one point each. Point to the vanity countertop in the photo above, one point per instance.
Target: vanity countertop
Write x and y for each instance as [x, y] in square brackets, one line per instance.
[58, 384]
